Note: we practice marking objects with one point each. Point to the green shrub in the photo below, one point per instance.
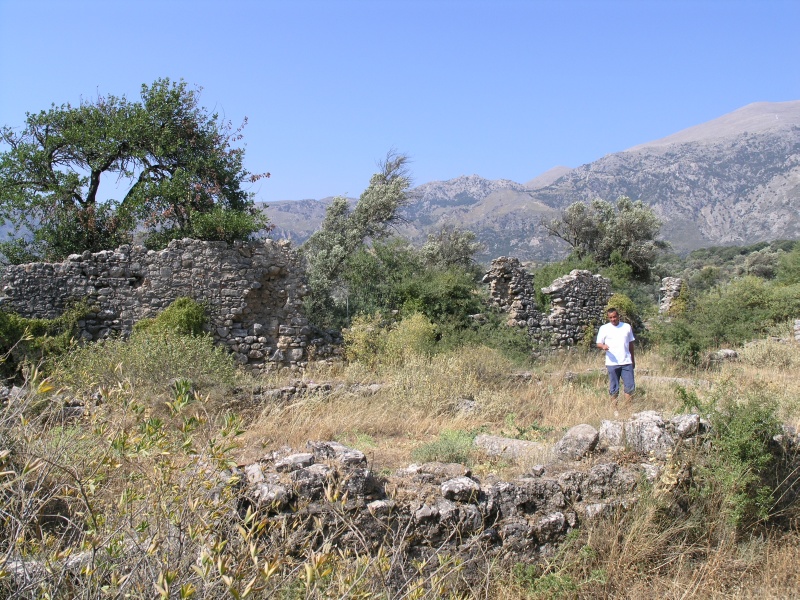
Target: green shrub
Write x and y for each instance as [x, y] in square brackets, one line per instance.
[150, 359]
[414, 335]
[453, 446]
[371, 340]
[488, 331]
[740, 311]
[184, 316]
[32, 341]
[628, 313]
[737, 473]
[680, 305]
[788, 271]
[365, 339]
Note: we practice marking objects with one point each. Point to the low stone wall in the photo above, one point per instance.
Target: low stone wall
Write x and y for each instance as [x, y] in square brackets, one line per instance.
[577, 301]
[253, 293]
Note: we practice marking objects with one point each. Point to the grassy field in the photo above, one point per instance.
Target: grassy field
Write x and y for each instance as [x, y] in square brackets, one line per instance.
[119, 481]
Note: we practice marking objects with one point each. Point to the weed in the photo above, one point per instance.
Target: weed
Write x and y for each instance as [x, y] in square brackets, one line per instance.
[453, 446]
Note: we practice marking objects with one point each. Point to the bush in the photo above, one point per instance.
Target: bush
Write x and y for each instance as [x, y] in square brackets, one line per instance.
[488, 330]
[31, 341]
[218, 225]
[415, 335]
[373, 341]
[183, 316]
[453, 446]
[150, 358]
[625, 307]
[741, 311]
[737, 473]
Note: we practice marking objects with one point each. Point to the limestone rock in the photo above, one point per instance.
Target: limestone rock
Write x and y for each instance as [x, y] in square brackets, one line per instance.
[577, 442]
[646, 434]
[509, 448]
[460, 489]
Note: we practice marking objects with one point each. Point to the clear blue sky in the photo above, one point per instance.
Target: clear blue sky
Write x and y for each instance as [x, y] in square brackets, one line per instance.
[505, 89]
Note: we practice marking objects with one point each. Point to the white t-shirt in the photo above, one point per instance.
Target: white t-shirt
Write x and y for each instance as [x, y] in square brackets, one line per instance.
[617, 338]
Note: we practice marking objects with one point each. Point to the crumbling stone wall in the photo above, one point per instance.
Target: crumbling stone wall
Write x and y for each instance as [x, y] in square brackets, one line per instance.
[670, 291]
[577, 301]
[253, 293]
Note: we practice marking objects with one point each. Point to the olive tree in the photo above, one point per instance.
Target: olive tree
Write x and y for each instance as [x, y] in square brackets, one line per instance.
[605, 232]
[346, 229]
[177, 169]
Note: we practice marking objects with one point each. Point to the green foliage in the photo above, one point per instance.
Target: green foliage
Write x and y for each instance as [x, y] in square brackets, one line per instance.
[176, 160]
[184, 316]
[414, 335]
[740, 311]
[30, 341]
[534, 432]
[567, 574]
[453, 446]
[217, 225]
[706, 268]
[680, 305]
[624, 233]
[373, 341]
[788, 271]
[628, 313]
[345, 231]
[149, 359]
[393, 276]
[739, 471]
[489, 330]
[444, 296]
[451, 247]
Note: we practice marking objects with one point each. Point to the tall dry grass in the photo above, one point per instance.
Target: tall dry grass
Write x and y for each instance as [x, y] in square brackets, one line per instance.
[127, 462]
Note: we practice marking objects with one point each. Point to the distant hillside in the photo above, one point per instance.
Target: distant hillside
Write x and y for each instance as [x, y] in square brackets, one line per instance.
[733, 180]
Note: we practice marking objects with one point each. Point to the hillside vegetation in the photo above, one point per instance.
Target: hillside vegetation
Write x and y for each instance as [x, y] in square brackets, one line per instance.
[123, 463]
[104, 451]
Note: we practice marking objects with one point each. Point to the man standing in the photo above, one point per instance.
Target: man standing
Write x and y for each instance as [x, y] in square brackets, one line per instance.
[617, 340]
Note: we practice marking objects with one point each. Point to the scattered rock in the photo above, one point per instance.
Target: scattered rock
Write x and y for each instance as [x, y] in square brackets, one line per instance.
[509, 448]
[611, 434]
[646, 434]
[294, 462]
[460, 489]
[577, 442]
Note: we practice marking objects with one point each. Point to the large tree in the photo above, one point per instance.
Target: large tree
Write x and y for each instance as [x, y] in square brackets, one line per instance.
[604, 232]
[86, 177]
[345, 230]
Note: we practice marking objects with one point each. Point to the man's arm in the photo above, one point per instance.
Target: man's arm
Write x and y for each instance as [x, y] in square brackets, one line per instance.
[633, 356]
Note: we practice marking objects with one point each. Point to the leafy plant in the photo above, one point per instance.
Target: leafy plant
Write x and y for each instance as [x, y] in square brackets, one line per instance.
[31, 341]
[453, 446]
[183, 315]
[737, 472]
[178, 162]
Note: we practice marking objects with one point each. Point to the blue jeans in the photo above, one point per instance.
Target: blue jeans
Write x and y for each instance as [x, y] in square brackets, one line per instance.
[614, 374]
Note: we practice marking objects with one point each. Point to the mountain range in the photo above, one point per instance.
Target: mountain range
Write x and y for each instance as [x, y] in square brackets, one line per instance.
[732, 180]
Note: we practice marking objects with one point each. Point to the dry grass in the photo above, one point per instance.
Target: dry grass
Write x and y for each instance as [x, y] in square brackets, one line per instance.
[643, 552]
[636, 557]
[422, 397]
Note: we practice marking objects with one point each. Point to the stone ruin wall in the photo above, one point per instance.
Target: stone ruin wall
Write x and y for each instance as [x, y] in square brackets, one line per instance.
[253, 293]
[669, 291]
[577, 301]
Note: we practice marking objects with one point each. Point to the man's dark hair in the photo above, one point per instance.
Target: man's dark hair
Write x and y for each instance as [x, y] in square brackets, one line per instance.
[611, 310]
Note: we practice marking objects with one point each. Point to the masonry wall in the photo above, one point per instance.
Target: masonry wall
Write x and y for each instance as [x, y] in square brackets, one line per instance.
[253, 292]
[577, 301]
